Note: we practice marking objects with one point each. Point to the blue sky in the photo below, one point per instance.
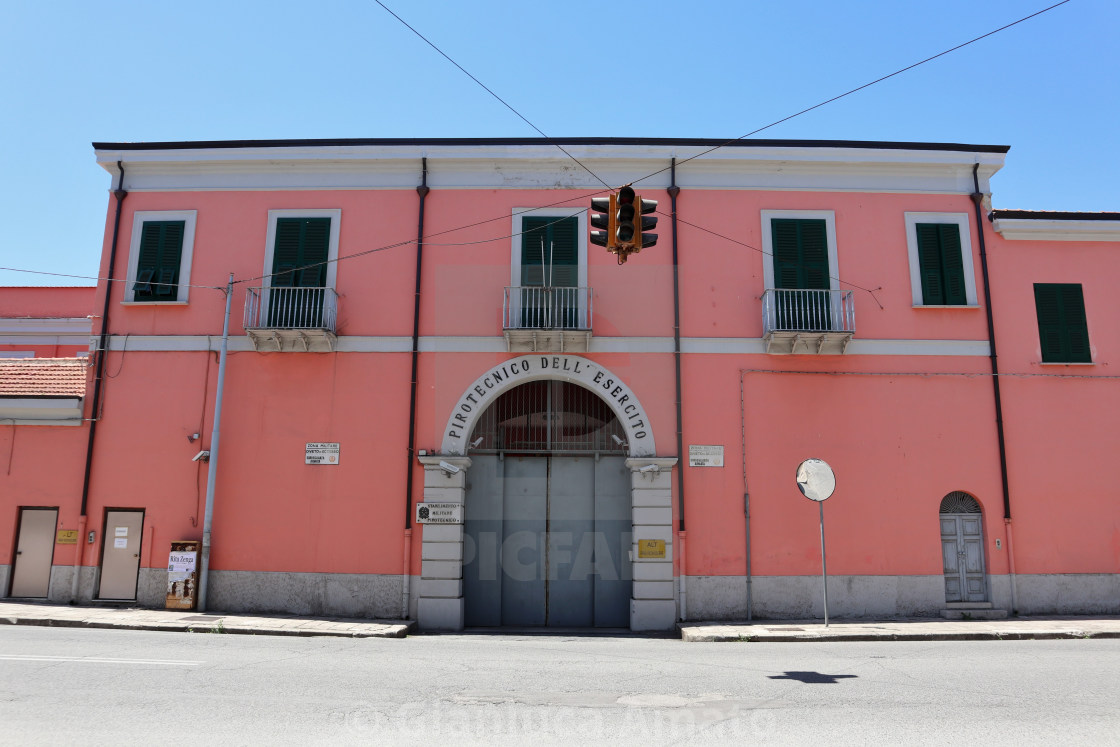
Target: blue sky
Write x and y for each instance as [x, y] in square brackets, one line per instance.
[76, 72]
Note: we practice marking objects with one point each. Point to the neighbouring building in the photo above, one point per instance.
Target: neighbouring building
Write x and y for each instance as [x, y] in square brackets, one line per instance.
[500, 424]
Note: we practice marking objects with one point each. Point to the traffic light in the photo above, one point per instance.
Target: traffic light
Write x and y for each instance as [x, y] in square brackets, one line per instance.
[642, 238]
[624, 222]
[603, 216]
[626, 216]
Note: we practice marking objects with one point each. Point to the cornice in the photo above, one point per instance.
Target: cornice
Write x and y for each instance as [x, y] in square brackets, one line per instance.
[1029, 229]
[543, 166]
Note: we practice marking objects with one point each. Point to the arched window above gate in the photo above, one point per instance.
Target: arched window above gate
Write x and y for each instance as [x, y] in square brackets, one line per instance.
[542, 417]
[959, 502]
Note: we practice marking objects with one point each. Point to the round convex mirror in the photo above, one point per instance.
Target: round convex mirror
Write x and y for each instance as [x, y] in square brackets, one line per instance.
[815, 479]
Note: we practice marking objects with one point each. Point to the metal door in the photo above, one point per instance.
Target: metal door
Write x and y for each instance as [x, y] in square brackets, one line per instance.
[31, 571]
[962, 548]
[547, 542]
[120, 554]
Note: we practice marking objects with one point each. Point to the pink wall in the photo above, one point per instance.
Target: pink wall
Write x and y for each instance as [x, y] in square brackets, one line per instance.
[901, 431]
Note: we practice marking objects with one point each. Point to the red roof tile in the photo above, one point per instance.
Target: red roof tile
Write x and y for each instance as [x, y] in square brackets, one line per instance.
[42, 377]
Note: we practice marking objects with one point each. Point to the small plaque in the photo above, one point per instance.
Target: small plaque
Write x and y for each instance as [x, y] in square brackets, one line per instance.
[651, 548]
[439, 513]
[67, 537]
[320, 453]
[705, 456]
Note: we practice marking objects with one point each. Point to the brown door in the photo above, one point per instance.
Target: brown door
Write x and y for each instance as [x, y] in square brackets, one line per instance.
[31, 572]
[120, 554]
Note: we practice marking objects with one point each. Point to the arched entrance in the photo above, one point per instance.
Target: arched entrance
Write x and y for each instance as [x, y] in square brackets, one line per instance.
[567, 509]
[962, 548]
[547, 528]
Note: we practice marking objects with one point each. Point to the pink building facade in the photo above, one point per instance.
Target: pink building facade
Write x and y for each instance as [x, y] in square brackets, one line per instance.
[502, 425]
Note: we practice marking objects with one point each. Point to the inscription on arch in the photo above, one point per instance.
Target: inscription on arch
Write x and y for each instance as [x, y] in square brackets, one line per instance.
[588, 374]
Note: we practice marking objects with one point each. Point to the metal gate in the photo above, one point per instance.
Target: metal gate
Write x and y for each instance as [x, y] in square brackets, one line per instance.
[547, 541]
[962, 549]
[31, 567]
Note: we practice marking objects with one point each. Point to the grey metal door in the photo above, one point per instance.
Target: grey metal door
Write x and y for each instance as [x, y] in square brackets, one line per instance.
[31, 571]
[962, 550]
[546, 542]
[120, 554]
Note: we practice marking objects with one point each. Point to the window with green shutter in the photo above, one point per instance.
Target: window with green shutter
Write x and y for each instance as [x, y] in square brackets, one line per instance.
[941, 264]
[800, 247]
[159, 263]
[1062, 328]
[299, 266]
[550, 260]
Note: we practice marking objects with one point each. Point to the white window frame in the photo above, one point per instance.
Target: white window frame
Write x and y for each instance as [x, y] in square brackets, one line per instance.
[580, 214]
[335, 214]
[829, 218]
[139, 218]
[962, 222]
[581, 238]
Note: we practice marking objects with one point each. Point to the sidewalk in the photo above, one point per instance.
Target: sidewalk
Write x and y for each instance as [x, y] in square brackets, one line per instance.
[910, 629]
[132, 618]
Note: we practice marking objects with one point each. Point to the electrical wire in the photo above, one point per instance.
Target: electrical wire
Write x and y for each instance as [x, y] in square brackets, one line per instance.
[110, 280]
[499, 98]
[959, 374]
[608, 187]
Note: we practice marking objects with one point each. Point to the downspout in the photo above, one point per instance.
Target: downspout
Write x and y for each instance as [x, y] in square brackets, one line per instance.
[99, 369]
[422, 191]
[977, 200]
[673, 191]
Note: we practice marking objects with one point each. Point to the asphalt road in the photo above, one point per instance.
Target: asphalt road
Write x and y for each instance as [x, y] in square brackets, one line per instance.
[77, 686]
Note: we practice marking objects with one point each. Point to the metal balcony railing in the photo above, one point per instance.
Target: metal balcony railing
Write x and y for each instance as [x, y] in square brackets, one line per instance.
[291, 308]
[528, 307]
[809, 311]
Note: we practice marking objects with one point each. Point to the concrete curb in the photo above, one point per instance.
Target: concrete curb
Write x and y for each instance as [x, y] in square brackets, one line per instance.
[222, 625]
[1019, 629]
[690, 637]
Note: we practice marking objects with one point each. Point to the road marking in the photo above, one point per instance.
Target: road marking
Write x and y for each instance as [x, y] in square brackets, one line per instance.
[99, 660]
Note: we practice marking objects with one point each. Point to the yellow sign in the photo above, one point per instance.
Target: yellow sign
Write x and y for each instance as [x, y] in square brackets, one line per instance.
[651, 548]
[67, 537]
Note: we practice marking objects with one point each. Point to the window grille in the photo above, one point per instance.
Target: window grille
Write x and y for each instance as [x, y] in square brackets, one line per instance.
[959, 502]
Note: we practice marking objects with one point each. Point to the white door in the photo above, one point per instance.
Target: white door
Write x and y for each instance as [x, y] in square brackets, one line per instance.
[120, 554]
[31, 572]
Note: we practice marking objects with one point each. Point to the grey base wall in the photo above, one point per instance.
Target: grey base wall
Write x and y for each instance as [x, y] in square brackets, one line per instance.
[364, 595]
[800, 597]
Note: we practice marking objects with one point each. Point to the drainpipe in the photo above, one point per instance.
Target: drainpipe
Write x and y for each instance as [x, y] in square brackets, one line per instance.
[102, 350]
[212, 473]
[422, 191]
[673, 191]
[746, 491]
[977, 199]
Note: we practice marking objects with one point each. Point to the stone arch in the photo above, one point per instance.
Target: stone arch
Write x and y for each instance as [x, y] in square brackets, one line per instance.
[572, 368]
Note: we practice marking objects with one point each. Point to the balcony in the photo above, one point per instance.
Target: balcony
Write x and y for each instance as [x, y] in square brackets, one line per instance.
[553, 320]
[291, 319]
[807, 321]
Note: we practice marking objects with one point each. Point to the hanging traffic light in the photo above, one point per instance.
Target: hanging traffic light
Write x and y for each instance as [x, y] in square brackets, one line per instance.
[642, 237]
[623, 219]
[602, 216]
[626, 216]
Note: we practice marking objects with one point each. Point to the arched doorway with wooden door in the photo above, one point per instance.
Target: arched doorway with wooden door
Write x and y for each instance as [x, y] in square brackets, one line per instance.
[962, 548]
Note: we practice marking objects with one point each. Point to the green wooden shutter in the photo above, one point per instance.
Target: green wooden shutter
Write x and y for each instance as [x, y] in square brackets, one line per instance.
[300, 254]
[800, 253]
[549, 252]
[941, 264]
[1062, 327]
[161, 255]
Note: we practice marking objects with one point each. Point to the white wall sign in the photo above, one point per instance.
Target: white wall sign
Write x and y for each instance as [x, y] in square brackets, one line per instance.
[705, 456]
[319, 453]
[121, 543]
[439, 513]
[120, 531]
